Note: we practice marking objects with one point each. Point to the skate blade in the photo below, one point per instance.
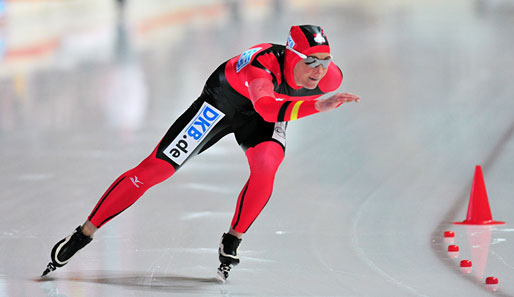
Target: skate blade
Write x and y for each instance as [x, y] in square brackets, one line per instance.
[222, 273]
[220, 276]
[48, 269]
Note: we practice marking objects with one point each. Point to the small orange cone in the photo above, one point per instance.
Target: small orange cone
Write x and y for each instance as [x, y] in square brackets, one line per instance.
[479, 212]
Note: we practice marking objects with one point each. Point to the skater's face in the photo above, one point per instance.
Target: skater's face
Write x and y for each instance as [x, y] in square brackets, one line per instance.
[306, 75]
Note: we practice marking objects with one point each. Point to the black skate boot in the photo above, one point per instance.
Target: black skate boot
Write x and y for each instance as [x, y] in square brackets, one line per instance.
[228, 255]
[65, 249]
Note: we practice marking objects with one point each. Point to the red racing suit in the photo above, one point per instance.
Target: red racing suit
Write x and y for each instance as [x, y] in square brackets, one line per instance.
[228, 104]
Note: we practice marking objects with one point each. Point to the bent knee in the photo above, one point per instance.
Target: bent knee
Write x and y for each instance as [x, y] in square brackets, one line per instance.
[265, 157]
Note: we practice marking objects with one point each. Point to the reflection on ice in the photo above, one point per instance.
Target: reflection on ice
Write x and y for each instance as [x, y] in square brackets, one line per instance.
[479, 238]
[50, 289]
[205, 214]
[141, 280]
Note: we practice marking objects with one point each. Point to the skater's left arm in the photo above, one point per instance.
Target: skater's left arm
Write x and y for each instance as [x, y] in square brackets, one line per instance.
[335, 101]
[273, 110]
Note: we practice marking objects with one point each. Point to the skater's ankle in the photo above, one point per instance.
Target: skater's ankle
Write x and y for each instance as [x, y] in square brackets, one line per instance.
[88, 229]
[235, 233]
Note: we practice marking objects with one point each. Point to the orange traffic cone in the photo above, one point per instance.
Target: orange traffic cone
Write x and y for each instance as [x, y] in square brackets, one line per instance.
[479, 212]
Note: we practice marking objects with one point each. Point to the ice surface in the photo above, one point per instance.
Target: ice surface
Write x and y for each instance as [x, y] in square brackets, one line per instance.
[361, 200]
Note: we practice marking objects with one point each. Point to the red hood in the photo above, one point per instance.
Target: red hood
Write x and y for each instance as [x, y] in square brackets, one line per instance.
[306, 39]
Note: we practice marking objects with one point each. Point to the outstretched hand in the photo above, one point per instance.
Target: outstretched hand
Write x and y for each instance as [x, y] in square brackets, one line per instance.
[335, 101]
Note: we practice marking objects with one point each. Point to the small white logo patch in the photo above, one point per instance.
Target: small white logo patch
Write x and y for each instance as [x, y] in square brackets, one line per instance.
[246, 58]
[279, 132]
[194, 132]
[319, 38]
[135, 181]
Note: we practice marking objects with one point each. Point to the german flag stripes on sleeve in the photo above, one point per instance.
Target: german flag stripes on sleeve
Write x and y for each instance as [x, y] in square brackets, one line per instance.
[273, 110]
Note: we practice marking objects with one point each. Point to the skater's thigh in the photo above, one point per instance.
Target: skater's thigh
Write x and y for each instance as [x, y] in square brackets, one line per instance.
[198, 128]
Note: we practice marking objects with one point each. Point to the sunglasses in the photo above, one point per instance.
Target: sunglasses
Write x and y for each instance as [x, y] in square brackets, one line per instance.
[311, 61]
